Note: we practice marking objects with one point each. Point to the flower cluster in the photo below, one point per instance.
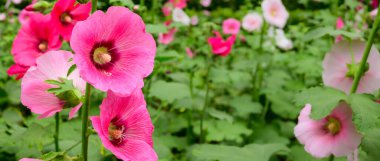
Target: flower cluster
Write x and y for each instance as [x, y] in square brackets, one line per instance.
[113, 53]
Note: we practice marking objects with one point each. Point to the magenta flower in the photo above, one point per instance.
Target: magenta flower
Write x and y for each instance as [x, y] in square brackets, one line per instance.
[252, 22]
[339, 25]
[167, 38]
[219, 46]
[231, 26]
[334, 134]
[66, 13]
[53, 65]
[178, 3]
[29, 159]
[113, 51]
[275, 12]
[341, 64]
[17, 70]
[167, 9]
[125, 128]
[34, 39]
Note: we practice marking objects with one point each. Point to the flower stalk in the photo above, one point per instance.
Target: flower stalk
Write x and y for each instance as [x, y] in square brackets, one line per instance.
[56, 135]
[85, 122]
[202, 133]
[363, 62]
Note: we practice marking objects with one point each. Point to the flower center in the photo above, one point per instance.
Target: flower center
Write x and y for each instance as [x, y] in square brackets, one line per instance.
[116, 133]
[333, 126]
[353, 68]
[101, 56]
[66, 18]
[273, 11]
[43, 46]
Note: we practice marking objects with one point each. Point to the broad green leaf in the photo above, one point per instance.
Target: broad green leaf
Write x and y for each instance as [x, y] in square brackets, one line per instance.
[322, 99]
[371, 144]
[317, 33]
[156, 28]
[244, 106]
[366, 111]
[252, 152]
[169, 91]
[220, 115]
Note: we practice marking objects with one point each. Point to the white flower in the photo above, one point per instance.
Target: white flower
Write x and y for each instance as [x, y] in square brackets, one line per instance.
[180, 16]
[282, 41]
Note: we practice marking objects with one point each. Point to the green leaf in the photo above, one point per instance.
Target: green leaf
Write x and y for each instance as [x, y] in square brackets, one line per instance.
[169, 91]
[366, 111]
[322, 99]
[252, 152]
[71, 69]
[317, 33]
[371, 144]
[245, 106]
[128, 3]
[156, 28]
[221, 115]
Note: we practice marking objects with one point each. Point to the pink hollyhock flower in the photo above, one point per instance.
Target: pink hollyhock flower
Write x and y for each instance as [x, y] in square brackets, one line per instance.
[113, 47]
[194, 20]
[231, 26]
[339, 25]
[180, 16]
[341, 63]
[178, 3]
[34, 39]
[275, 12]
[167, 8]
[206, 13]
[252, 22]
[2, 16]
[66, 13]
[189, 53]
[54, 65]
[125, 128]
[219, 46]
[334, 134]
[167, 38]
[205, 3]
[29, 159]
[375, 3]
[17, 70]
[373, 13]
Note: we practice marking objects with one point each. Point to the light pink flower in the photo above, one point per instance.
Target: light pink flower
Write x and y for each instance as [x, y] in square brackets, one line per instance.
[16, 1]
[180, 16]
[252, 22]
[3, 16]
[167, 38]
[373, 13]
[337, 73]
[231, 26]
[275, 12]
[206, 12]
[189, 53]
[219, 46]
[125, 128]
[53, 65]
[334, 134]
[178, 3]
[339, 25]
[34, 39]
[17, 70]
[194, 20]
[167, 9]
[113, 47]
[29, 159]
[205, 3]
[66, 13]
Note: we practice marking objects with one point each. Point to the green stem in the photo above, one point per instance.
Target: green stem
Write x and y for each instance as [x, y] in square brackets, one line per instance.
[363, 62]
[331, 158]
[85, 122]
[56, 135]
[262, 37]
[205, 102]
[189, 112]
[94, 5]
[72, 147]
[265, 110]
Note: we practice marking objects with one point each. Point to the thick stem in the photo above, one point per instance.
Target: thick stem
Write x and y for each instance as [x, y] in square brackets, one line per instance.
[94, 5]
[85, 122]
[205, 102]
[262, 37]
[189, 112]
[331, 158]
[56, 135]
[363, 62]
